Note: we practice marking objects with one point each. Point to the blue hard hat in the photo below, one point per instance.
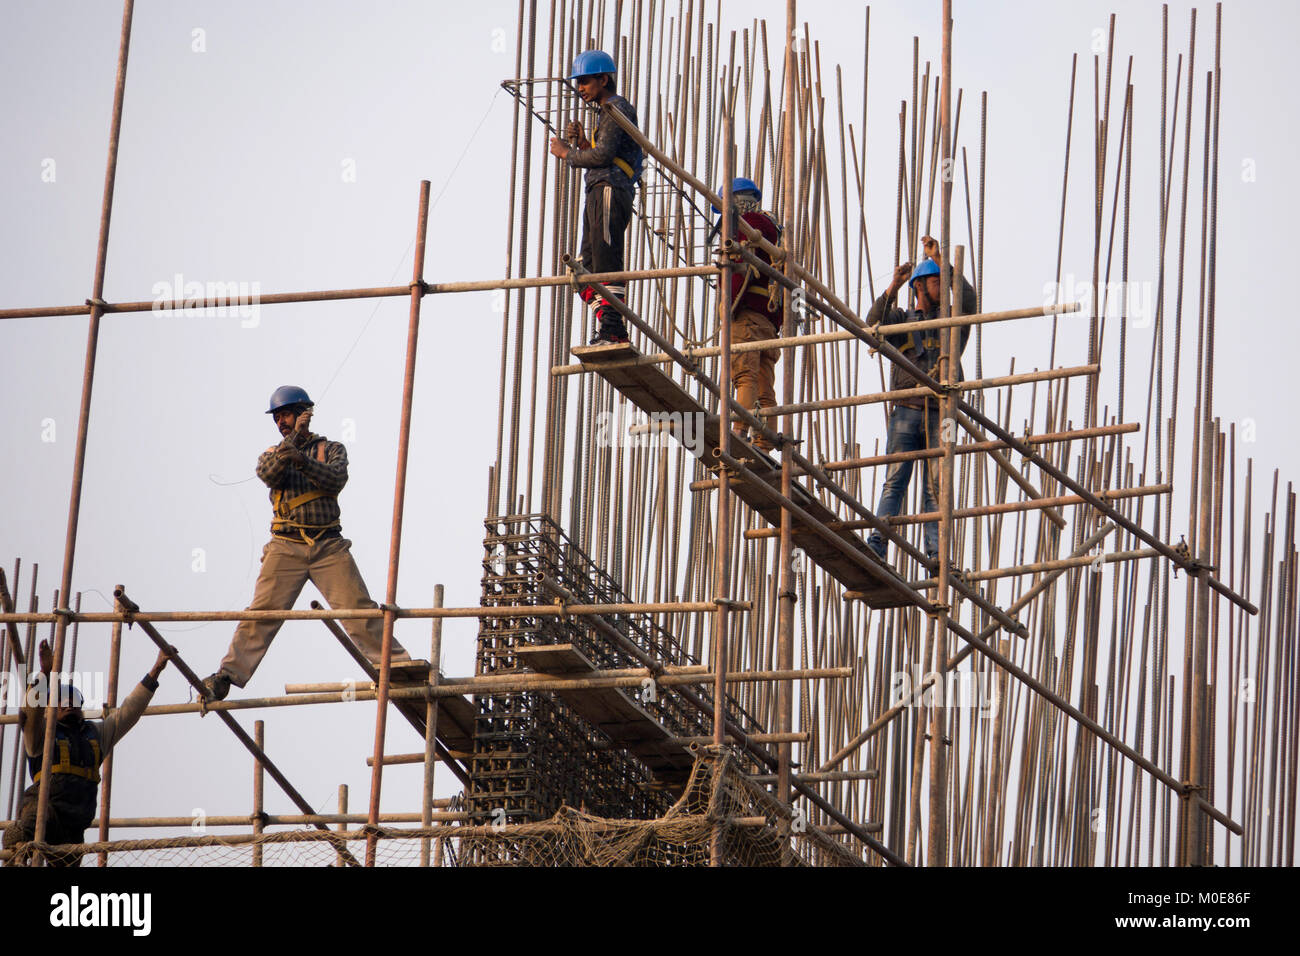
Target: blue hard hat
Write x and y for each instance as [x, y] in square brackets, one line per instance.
[591, 63]
[741, 185]
[926, 267]
[288, 395]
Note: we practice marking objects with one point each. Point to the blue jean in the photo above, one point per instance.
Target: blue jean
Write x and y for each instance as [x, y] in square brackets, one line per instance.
[908, 432]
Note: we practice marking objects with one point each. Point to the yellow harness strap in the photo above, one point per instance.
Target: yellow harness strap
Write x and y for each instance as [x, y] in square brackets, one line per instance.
[64, 763]
[624, 165]
[285, 506]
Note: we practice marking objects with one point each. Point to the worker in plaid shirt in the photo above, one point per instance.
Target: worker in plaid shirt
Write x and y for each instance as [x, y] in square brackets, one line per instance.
[305, 473]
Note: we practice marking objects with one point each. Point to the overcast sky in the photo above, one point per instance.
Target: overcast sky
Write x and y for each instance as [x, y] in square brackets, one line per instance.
[281, 145]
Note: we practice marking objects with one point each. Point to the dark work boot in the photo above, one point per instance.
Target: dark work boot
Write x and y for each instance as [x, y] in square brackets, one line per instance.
[216, 686]
[612, 328]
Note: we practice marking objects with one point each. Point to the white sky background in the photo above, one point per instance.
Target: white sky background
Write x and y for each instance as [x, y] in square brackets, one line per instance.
[231, 169]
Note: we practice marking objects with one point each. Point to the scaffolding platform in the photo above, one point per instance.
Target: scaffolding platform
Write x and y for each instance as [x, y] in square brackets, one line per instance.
[611, 710]
[456, 715]
[647, 387]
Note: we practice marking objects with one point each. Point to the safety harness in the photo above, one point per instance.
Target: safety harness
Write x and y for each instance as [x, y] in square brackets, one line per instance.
[284, 506]
[756, 281]
[84, 763]
[624, 165]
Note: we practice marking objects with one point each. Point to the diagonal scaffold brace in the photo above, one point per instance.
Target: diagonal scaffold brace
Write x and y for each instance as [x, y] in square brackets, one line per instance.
[242, 735]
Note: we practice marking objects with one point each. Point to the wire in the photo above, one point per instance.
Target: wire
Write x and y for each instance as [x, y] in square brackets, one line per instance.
[409, 245]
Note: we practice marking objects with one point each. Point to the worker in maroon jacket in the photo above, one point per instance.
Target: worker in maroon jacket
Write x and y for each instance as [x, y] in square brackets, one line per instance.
[756, 310]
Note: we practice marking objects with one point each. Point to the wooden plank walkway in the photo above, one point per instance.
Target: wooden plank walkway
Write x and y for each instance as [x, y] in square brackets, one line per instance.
[612, 710]
[647, 387]
[456, 715]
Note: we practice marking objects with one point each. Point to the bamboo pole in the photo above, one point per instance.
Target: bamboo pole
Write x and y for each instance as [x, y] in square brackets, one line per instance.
[983, 511]
[242, 735]
[876, 398]
[431, 723]
[814, 338]
[259, 781]
[83, 416]
[399, 501]
[110, 701]
[363, 614]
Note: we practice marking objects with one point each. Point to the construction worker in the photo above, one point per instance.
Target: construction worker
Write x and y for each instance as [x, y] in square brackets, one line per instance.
[613, 163]
[305, 473]
[914, 422]
[756, 310]
[80, 746]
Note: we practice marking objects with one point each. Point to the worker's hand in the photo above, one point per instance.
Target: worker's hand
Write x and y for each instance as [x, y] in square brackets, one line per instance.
[558, 148]
[290, 452]
[160, 664]
[303, 423]
[46, 657]
[931, 249]
[573, 133]
[901, 275]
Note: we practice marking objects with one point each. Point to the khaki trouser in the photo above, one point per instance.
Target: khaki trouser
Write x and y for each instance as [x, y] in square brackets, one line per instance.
[753, 373]
[286, 566]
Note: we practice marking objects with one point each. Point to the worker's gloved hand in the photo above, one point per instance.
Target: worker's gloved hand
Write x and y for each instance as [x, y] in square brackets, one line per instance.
[930, 247]
[46, 657]
[288, 451]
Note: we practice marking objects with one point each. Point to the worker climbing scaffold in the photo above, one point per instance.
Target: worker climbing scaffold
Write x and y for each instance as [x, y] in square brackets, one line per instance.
[756, 310]
[914, 421]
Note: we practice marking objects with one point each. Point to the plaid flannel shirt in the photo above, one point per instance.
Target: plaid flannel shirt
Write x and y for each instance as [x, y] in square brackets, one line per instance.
[329, 476]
